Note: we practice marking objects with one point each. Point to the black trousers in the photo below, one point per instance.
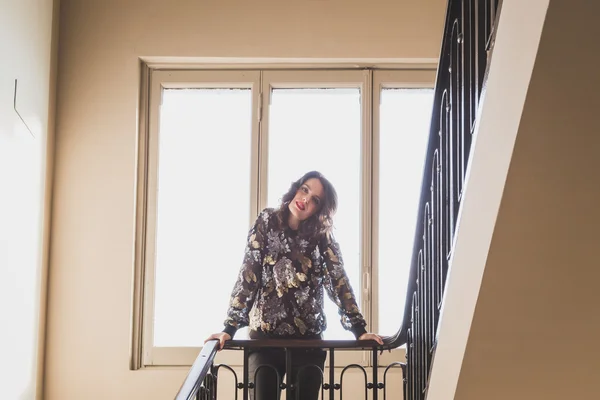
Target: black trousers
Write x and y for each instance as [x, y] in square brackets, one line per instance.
[267, 369]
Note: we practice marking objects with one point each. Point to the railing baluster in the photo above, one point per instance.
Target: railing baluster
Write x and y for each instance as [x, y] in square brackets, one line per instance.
[289, 379]
[331, 373]
[375, 377]
[246, 378]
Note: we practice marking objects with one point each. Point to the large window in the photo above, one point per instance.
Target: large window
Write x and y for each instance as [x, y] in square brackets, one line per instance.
[221, 145]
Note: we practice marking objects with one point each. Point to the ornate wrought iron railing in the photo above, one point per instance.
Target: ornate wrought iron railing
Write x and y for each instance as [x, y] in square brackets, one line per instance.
[201, 382]
[468, 37]
[467, 41]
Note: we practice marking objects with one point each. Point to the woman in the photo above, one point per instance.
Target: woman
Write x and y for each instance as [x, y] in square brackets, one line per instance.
[290, 257]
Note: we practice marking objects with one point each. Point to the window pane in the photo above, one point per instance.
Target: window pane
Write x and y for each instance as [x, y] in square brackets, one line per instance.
[404, 131]
[202, 210]
[320, 129]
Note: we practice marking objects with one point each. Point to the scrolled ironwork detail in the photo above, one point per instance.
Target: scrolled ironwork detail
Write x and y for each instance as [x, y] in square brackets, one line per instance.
[468, 31]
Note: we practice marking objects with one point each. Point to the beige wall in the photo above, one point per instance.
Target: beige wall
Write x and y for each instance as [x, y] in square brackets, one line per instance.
[536, 326]
[28, 49]
[89, 330]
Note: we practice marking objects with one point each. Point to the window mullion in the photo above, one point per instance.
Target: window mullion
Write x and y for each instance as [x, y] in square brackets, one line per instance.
[263, 147]
[367, 203]
[257, 154]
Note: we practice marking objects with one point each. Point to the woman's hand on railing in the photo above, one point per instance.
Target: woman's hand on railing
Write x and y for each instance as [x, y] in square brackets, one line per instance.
[371, 336]
[222, 337]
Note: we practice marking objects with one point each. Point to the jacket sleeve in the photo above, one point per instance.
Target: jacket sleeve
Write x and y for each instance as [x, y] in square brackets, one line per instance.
[246, 286]
[338, 287]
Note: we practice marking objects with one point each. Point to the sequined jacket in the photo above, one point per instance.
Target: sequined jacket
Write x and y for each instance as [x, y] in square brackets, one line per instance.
[279, 290]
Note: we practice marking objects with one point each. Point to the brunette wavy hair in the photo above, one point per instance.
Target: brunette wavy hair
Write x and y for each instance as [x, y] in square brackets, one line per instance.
[322, 221]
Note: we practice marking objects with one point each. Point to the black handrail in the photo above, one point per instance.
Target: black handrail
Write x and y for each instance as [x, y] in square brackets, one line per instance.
[305, 344]
[193, 380]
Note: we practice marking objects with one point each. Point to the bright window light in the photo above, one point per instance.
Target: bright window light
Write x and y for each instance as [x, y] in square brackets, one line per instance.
[203, 210]
[404, 132]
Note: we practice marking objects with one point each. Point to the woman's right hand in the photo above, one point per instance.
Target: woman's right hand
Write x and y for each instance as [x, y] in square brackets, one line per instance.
[222, 337]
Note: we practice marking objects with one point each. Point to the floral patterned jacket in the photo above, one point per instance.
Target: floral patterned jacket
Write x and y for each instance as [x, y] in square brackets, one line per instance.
[279, 291]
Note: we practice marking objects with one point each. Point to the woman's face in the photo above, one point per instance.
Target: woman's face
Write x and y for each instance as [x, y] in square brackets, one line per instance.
[308, 199]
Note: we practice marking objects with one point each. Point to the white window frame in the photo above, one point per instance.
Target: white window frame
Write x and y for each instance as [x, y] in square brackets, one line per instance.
[159, 80]
[261, 81]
